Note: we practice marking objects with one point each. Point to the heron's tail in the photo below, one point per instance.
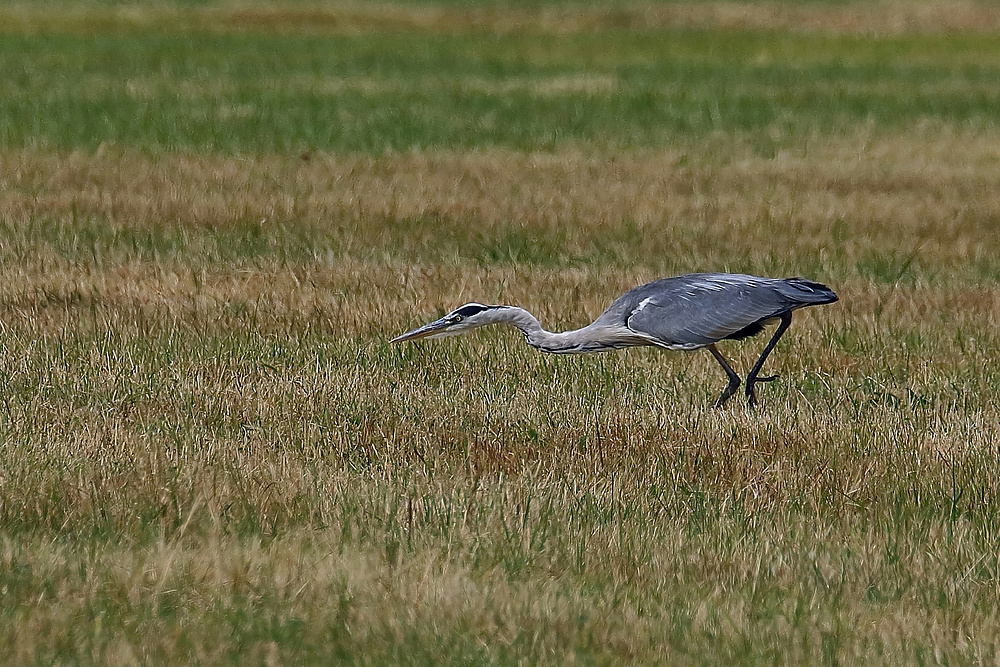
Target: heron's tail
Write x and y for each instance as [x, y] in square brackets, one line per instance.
[806, 292]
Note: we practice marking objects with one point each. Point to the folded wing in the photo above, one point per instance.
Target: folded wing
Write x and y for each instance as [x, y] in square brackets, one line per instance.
[693, 311]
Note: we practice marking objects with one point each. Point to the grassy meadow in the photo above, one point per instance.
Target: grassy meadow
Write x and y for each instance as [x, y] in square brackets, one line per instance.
[213, 217]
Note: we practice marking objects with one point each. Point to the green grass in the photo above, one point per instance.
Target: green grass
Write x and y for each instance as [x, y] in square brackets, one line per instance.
[264, 93]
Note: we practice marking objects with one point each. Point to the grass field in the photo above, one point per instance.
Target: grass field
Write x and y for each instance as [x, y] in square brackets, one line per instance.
[213, 217]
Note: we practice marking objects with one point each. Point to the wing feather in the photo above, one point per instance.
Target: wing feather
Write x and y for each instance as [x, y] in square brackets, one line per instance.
[702, 310]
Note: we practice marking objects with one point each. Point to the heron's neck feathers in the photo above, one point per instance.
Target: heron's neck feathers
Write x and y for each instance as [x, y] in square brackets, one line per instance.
[567, 342]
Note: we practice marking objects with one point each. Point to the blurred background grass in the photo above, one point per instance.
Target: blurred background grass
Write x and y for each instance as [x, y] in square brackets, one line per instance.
[607, 89]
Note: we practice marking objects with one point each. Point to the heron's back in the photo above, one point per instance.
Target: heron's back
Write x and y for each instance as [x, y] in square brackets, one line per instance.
[691, 311]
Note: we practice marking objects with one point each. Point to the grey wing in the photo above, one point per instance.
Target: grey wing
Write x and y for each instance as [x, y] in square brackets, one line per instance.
[704, 310]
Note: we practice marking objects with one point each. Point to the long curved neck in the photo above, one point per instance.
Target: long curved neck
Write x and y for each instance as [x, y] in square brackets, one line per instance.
[566, 342]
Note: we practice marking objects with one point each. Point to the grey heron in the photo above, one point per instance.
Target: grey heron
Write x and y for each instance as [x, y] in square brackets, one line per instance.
[686, 312]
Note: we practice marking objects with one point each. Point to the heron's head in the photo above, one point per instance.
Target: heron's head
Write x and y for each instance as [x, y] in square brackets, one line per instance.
[460, 320]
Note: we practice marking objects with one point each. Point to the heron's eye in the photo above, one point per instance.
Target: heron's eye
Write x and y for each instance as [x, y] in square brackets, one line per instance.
[455, 319]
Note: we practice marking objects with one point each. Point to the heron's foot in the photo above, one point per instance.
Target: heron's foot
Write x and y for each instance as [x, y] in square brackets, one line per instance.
[751, 393]
[727, 393]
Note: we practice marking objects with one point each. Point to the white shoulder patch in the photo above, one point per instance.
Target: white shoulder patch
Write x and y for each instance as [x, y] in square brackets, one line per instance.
[642, 304]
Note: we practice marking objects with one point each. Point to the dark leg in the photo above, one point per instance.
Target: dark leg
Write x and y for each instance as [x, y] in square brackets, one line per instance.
[734, 379]
[752, 378]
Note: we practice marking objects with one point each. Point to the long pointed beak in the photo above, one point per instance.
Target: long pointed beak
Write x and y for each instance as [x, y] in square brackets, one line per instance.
[422, 332]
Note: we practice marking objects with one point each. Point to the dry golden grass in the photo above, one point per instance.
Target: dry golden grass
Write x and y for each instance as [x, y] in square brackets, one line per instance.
[855, 177]
[840, 204]
[211, 453]
[883, 18]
